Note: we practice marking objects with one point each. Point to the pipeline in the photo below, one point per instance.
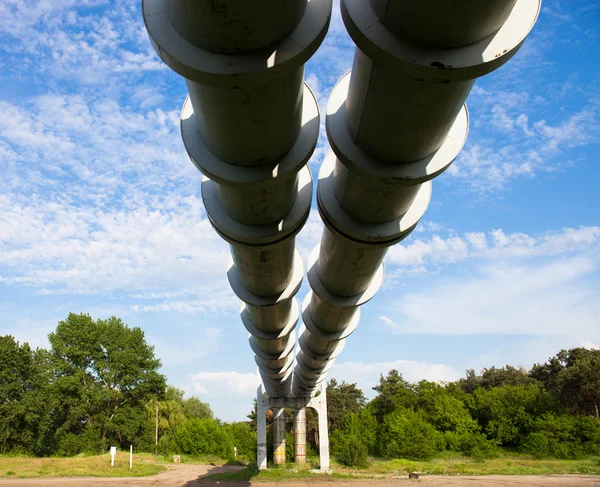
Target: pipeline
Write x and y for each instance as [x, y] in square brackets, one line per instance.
[250, 124]
[395, 122]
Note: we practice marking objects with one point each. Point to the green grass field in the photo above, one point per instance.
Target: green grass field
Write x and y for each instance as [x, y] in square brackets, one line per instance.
[449, 464]
[79, 466]
[147, 464]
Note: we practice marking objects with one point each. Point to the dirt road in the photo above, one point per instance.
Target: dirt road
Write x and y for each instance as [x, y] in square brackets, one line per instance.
[189, 475]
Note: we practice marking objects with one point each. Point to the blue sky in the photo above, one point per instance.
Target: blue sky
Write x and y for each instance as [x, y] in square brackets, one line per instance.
[100, 208]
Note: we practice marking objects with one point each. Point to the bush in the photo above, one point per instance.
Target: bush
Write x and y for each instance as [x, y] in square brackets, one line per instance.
[562, 436]
[203, 437]
[361, 425]
[405, 434]
[473, 444]
[536, 444]
[289, 446]
[354, 453]
[244, 439]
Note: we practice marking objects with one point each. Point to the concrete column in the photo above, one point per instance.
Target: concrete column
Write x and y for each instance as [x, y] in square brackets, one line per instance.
[395, 122]
[279, 436]
[300, 435]
[262, 406]
[320, 405]
[250, 124]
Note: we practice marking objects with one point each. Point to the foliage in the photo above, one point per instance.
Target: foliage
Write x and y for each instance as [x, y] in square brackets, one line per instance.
[99, 386]
[444, 411]
[202, 437]
[406, 434]
[26, 399]
[495, 377]
[342, 399]
[394, 392]
[104, 374]
[507, 413]
[244, 439]
[361, 425]
[194, 408]
[573, 377]
[353, 452]
[562, 436]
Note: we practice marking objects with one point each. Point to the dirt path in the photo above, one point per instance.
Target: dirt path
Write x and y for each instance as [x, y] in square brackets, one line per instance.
[188, 475]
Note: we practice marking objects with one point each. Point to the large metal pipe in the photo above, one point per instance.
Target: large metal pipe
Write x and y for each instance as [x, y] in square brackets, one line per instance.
[395, 123]
[250, 125]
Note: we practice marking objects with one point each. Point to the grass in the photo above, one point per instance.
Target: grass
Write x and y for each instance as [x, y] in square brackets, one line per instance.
[203, 460]
[291, 471]
[146, 464]
[446, 464]
[79, 466]
[507, 464]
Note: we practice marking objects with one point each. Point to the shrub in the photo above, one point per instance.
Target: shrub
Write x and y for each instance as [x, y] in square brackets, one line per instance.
[562, 436]
[244, 439]
[405, 434]
[362, 425]
[289, 446]
[354, 453]
[473, 444]
[203, 437]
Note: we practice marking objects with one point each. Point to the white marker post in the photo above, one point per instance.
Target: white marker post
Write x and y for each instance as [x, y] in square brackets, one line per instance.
[113, 452]
[235, 451]
[130, 456]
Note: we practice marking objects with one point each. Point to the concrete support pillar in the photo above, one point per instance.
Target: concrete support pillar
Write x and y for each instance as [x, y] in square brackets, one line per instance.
[279, 436]
[395, 122]
[300, 435]
[262, 405]
[250, 124]
[320, 405]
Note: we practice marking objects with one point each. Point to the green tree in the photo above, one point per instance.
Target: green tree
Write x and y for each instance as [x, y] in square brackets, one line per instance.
[342, 399]
[203, 437]
[406, 434]
[444, 411]
[105, 374]
[573, 376]
[394, 392]
[26, 398]
[194, 408]
[360, 425]
[507, 414]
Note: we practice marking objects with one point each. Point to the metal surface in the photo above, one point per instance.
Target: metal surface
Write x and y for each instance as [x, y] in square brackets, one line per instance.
[394, 123]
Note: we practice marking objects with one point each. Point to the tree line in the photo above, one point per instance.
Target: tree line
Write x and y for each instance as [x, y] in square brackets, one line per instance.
[98, 385]
[549, 411]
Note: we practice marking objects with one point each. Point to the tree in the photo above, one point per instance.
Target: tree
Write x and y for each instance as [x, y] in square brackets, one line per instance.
[203, 437]
[194, 408]
[573, 376]
[394, 392]
[405, 434]
[26, 399]
[105, 373]
[360, 425]
[444, 411]
[343, 399]
[507, 413]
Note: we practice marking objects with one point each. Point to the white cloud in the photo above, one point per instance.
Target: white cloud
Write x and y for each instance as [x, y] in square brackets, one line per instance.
[494, 245]
[223, 384]
[506, 145]
[554, 298]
